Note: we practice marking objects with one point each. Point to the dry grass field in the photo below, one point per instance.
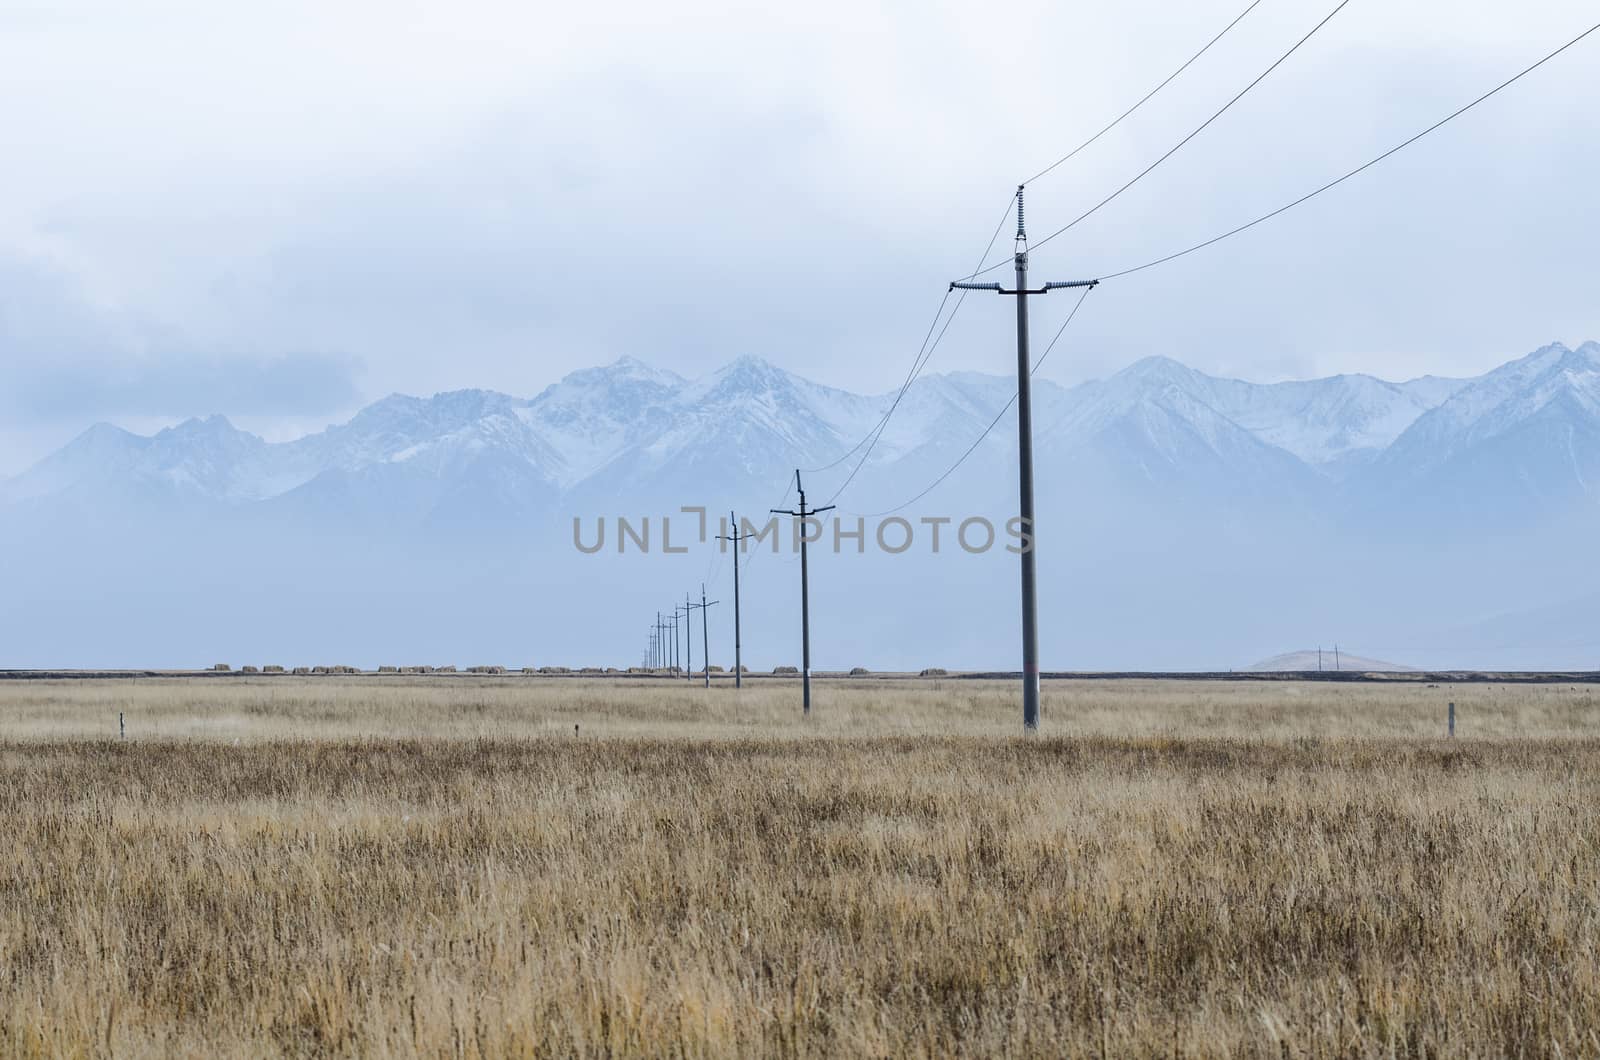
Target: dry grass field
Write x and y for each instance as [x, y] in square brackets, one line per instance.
[444, 867]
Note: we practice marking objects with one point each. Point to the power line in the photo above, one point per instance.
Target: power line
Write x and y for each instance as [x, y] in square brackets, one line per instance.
[992, 423]
[918, 362]
[926, 352]
[1147, 96]
[1091, 211]
[1364, 166]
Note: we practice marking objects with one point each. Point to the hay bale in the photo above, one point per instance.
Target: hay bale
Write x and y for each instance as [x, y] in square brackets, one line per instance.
[638, 669]
[388, 669]
[222, 668]
[319, 669]
[272, 669]
[611, 670]
[716, 669]
[934, 671]
[859, 671]
[786, 669]
[444, 669]
[302, 669]
[590, 670]
[248, 670]
[554, 670]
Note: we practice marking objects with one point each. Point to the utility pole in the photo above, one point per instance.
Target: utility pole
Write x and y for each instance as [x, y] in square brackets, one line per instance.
[705, 637]
[688, 640]
[805, 597]
[1336, 656]
[735, 537]
[672, 655]
[1030, 611]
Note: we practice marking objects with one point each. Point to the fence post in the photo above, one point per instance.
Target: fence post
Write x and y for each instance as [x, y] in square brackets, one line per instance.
[122, 728]
[1452, 721]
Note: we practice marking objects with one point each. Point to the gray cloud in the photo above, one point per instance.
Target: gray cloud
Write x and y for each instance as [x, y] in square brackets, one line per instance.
[462, 198]
[180, 386]
[69, 362]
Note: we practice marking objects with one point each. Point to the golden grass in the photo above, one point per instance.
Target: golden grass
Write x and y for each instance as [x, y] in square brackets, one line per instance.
[441, 867]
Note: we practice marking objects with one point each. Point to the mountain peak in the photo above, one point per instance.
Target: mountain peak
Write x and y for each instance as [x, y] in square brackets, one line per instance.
[1159, 368]
[746, 373]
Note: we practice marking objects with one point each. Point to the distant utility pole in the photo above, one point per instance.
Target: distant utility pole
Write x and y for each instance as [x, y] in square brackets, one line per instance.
[805, 598]
[1319, 658]
[672, 656]
[1336, 656]
[688, 639]
[1030, 611]
[661, 641]
[735, 537]
[705, 637]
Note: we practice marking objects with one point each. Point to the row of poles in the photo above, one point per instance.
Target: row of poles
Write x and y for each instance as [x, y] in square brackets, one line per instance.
[662, 656]
[662, 653]
[662, 650]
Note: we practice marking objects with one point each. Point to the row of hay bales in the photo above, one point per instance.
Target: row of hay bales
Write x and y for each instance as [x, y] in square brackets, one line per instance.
[858, 671]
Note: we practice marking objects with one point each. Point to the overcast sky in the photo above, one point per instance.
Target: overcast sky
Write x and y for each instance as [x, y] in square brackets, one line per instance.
[281, 211]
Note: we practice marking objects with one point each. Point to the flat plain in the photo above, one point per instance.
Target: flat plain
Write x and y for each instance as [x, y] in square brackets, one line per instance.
[519, 866]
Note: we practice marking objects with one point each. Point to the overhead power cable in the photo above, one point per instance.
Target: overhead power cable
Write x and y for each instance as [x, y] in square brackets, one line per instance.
[1147, 96]
[1364, 166]
[925, 352]
[1175, 148]
[992, 423]
[919, 361]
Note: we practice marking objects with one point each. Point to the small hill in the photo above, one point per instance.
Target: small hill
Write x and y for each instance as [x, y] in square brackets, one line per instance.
[1307, 660]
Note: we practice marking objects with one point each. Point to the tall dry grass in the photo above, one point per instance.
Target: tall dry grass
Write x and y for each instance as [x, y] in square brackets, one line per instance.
[1310, 877]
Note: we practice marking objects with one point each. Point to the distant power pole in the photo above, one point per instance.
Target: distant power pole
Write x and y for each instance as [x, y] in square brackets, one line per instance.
[1030, 611]
[705, 637]
[735, 537]
[672, 654]
[1319, 658]
[1336, 656]
[805, 598]
[688, 639]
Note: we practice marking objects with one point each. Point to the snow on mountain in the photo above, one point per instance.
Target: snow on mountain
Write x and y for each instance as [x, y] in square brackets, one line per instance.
[614, 430]
[1157, 421]
[592, 415]
[1527, 431]
[98, 452]
[1329, 422]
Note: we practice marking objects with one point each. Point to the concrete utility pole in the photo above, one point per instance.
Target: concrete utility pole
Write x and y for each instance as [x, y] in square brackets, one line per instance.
[688, 639]
[805, 597]
[735, 537]
[1030, 611]
[672, 653]
[705, 637]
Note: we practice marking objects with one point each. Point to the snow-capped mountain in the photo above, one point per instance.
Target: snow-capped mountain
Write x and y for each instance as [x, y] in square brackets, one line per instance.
[1527, 433]
[1212, 518]
[627, 427]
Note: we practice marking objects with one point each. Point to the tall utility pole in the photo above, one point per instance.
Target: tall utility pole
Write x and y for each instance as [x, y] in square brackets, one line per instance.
[735, 537]
[688, 639]
[705, 637]
[805, 598]
[1030, 610]
[672, 654]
